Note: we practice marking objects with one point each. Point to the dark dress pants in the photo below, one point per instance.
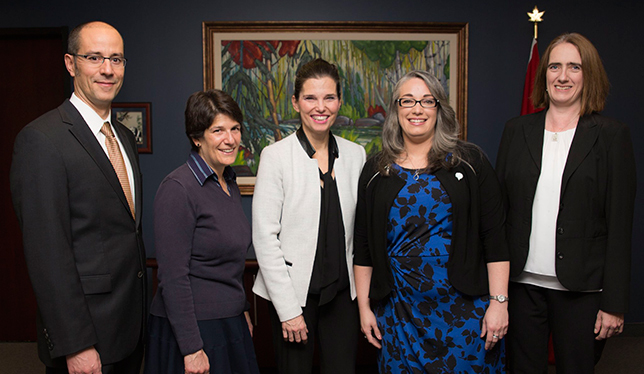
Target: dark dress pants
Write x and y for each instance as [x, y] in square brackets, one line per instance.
[535, 312]
[335, 326]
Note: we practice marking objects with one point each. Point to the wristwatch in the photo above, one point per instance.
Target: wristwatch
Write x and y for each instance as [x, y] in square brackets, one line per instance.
[499, 298]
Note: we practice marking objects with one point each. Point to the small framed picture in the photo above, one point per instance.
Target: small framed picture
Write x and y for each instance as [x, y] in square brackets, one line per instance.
[136, 117]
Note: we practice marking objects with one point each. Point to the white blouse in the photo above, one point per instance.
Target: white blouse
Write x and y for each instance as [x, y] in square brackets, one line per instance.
[539, 269]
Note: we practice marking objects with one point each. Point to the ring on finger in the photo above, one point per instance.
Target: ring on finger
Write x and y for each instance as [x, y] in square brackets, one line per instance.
[495, 336]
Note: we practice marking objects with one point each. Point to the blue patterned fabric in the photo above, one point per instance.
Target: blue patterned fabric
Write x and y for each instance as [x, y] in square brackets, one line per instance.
[428, 326]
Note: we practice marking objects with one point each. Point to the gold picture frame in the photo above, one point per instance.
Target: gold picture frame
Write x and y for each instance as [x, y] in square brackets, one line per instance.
[262, 57]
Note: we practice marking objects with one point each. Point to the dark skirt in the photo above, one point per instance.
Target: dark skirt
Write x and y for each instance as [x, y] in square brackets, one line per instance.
[227, 343]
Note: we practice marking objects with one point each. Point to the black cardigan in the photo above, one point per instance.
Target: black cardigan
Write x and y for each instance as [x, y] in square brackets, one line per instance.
[478, 219]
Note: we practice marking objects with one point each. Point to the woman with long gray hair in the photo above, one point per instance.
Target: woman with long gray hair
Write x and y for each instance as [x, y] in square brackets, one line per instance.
[431, 262]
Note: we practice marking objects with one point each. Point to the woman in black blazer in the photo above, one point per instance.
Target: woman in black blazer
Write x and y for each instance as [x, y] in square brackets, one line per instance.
[568, 176]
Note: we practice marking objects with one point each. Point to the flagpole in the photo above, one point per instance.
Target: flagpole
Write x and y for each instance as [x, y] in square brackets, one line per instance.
[535, 17]
[533, 63]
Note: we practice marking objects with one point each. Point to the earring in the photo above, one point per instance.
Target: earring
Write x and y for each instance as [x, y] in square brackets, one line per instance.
[198, 145]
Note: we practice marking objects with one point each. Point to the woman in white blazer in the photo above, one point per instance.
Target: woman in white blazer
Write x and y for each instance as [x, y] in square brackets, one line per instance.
[303, 214]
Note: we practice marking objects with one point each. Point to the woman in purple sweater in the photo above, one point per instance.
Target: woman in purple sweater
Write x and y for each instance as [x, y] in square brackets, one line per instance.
[199, 323]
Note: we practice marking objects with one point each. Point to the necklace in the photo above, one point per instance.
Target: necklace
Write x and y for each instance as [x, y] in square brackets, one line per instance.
[565, 127]
[416, 172]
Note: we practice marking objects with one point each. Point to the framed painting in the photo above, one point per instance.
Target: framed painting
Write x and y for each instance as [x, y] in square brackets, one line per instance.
[136, 117]
[256, 62]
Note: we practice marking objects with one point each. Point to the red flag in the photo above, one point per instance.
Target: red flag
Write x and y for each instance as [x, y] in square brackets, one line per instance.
[533, 63]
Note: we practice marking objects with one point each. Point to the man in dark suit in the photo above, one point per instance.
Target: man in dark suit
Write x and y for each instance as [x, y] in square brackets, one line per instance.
[76, 188]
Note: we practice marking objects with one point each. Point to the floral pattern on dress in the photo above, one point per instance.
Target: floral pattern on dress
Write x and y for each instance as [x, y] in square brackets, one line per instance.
[428, 326]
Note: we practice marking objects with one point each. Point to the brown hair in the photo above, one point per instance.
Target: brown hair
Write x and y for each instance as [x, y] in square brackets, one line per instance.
[596, 85]
[317, 68]
[74, 39]
[203, 107]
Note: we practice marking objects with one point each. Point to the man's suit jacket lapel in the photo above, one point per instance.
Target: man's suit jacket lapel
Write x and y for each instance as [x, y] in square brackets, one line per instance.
[83, 134]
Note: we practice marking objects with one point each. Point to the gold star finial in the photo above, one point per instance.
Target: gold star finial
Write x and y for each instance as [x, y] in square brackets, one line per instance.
[535, 17]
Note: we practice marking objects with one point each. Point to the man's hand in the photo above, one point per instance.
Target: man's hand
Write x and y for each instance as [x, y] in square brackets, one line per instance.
[87, 361]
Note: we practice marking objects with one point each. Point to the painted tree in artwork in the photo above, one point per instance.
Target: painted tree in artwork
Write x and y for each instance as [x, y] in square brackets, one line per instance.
[389, 53]
[397, 57]
[260, 76]
[254, 62]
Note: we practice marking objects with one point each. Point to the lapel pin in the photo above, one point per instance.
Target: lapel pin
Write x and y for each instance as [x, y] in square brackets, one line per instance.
[459, 175]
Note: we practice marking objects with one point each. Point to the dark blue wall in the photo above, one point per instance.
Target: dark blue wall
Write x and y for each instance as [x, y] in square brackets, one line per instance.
[164, 48]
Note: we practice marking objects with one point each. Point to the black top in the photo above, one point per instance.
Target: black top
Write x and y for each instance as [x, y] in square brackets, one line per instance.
[329, 273]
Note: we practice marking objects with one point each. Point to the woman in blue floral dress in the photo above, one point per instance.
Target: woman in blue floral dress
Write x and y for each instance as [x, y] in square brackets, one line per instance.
[431, 261]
